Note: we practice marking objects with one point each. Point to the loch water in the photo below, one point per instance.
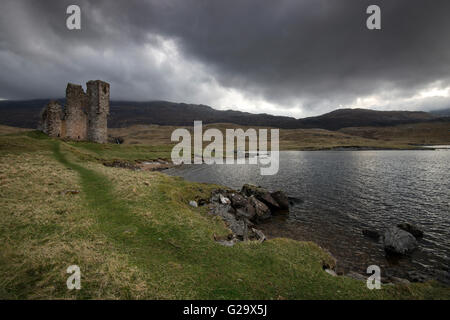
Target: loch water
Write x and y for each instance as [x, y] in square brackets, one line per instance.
[343, 192]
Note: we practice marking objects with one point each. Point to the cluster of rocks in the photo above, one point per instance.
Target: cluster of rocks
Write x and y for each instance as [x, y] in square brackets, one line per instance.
[398, 240]
[121, 164]
[151, 165]
[155, 165]
[402, 240]
[243, 210]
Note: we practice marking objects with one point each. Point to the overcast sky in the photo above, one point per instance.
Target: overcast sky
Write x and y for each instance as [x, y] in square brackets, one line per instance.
[285, 57]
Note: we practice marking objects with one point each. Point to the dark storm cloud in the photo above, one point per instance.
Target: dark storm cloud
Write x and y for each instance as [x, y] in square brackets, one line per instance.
[312, 54]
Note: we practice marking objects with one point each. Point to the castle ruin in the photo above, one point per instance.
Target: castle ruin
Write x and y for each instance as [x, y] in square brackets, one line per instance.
[84, 117]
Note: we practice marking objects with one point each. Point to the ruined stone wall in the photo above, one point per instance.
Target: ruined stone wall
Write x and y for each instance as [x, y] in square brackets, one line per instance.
[85, 116]
[98, 110]
[51, 119]
[76, 113]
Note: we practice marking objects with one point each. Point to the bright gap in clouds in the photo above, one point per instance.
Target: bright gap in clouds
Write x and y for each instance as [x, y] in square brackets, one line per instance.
[431, 95]
[199, 86]
[197, 79]
[434, 92]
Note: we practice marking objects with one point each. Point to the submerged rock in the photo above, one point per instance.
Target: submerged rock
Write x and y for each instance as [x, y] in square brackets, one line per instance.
[370, 233]
[294, 201]
[281, 199]
[415, 231]
[259, 193]
[398, 241]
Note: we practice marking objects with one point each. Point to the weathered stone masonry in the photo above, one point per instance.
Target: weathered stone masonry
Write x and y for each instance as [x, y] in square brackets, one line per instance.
[85, 116]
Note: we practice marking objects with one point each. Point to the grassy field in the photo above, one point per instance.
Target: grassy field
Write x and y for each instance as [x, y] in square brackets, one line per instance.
[9, 130]
[430, 133]
[397, 137]
[134, 236]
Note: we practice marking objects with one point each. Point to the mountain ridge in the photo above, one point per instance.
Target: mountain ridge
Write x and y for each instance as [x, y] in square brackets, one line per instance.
[25, 114]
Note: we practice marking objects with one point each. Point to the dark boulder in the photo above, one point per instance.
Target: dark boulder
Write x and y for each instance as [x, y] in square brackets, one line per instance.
[249, 211]
[398, 241]
[281, 199]
[294, 201]
[262, 211]
[259, 193]
[237, 200]
[415, 231]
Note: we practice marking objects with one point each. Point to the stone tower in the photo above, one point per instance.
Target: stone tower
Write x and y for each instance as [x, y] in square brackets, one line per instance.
[98, 110]
[85, 116]
[76, 112]
[51, 119]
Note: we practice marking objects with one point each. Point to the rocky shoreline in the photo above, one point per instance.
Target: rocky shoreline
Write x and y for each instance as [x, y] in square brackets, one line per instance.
[149, 165]
[244, 210]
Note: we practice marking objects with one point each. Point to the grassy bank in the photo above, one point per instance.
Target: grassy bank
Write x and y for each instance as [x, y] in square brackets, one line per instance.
[135, 237]
[410, 136]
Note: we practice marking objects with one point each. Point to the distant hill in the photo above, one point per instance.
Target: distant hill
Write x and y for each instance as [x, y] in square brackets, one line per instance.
[25, 114]
[125, 113]
[343, 118]
[441, 112]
